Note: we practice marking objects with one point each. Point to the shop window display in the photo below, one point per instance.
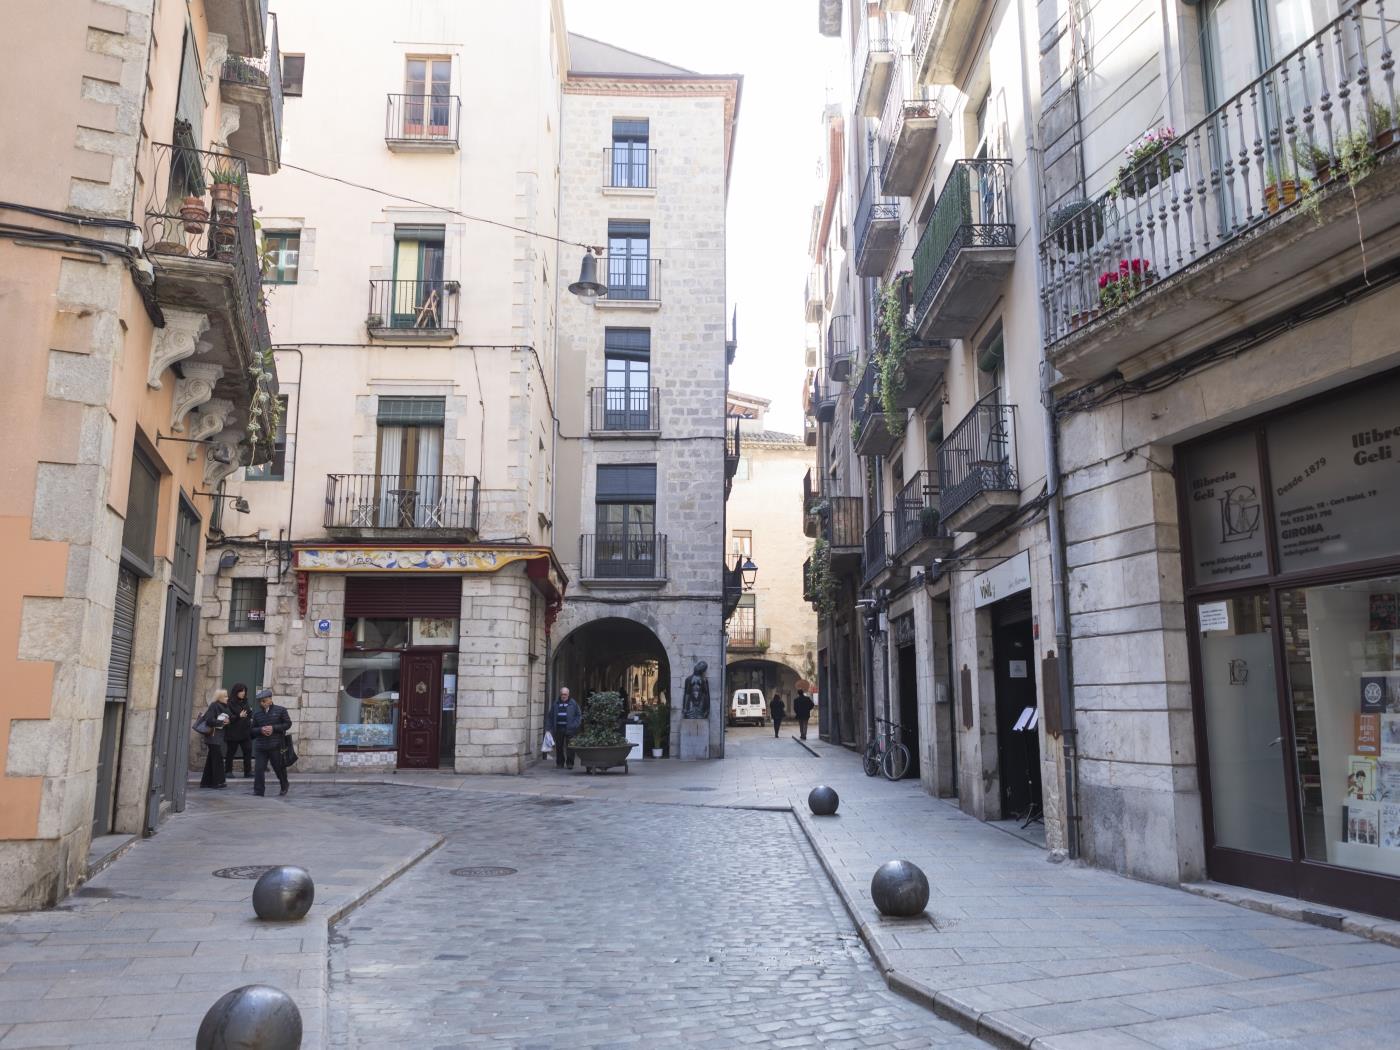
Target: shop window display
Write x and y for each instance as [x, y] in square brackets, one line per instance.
[368, 709]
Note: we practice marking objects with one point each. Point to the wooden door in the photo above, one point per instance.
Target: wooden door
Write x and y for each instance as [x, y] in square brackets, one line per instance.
[420, 715]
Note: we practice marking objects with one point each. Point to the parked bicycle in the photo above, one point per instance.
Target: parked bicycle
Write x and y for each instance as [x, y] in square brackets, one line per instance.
[886, 752]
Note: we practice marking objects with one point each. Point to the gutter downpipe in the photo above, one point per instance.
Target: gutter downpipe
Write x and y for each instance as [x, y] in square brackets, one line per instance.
[1069, 736]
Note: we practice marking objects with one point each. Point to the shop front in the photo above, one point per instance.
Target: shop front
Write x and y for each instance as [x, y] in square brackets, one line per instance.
[1291, 553]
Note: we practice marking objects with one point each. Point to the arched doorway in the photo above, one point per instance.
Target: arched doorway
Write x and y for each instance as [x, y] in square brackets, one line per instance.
[768, 675]
[614, 654]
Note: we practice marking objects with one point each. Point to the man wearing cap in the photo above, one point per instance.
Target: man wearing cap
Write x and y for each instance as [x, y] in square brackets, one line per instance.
[270, 725]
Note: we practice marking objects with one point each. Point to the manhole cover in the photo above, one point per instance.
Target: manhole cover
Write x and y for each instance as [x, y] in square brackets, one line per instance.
[244, 871]
[552, 801]
[697, 789]
[484, 872]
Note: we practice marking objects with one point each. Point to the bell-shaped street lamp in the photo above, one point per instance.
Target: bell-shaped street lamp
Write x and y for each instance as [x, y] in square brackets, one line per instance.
[587, 286]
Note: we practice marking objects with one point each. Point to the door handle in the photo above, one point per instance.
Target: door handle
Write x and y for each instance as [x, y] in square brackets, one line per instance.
[1275, 741]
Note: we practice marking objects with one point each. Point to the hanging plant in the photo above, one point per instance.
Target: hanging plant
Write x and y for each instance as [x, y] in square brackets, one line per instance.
[821, 582]
[890, 362]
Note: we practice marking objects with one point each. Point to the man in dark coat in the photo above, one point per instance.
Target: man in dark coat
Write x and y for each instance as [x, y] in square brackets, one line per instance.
[563, 721]
[778, 711]
[802, 708]
[270, 725]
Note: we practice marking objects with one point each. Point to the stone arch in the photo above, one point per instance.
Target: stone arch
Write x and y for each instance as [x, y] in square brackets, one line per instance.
[608, 652]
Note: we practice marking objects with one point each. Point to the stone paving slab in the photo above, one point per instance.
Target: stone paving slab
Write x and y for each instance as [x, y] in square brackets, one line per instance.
[138, 954]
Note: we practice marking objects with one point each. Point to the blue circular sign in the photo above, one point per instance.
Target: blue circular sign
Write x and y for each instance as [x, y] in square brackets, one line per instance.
[323, 626]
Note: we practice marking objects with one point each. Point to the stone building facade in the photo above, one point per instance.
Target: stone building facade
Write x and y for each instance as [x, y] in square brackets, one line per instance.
[131, 301]
[1208, 248]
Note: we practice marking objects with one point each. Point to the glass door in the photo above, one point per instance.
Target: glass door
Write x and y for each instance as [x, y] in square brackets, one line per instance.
[427, 84]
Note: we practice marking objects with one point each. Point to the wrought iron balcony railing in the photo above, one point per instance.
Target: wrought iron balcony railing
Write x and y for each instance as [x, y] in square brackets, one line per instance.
[865, 402]
[1318, 111]
[822, 398]
[811, 491]
[198, 207]
[877, 557]
[412, 308]
[870, 57]
[842, 521]
[838, 347]
[746, 635]
[627, 554]
[423, 119]
[394, 501]
[632, 277]
[807, 594]
[916, 515]
[629, 168]
[876, 226]
[973, 211]
[264, 71]
[623, 410]
[978, 456]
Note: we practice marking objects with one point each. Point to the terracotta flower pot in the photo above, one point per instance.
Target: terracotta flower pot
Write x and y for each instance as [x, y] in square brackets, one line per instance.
[194, 213]
[224, 196]
[1280, 194]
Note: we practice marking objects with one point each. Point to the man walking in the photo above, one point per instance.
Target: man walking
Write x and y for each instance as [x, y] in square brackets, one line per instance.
[270, 725]
[802, 708]
[564, 719]
[778, 711]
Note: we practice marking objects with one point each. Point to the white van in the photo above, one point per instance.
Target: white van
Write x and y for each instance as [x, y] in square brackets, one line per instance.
[748, 707]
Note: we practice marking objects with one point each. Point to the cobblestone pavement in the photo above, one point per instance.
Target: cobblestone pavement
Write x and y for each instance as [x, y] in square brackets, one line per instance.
[625, 924]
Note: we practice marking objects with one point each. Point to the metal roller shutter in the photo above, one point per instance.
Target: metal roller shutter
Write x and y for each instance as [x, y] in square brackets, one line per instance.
[123, 636]
[401, 597]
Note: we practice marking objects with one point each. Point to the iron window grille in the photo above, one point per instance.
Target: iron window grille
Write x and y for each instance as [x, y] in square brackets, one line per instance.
[248, 606]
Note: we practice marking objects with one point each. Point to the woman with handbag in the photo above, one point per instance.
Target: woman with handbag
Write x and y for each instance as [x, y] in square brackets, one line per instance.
[212, 725]
[239, 735]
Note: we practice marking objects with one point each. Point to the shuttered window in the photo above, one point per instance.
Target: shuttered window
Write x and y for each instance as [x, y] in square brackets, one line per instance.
[631, 482]
[412, 411]
[630, 129]
[189, 104]
[123, 636]
[402, 597]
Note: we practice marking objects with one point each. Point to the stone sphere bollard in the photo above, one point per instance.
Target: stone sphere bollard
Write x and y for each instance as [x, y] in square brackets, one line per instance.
[254, 1017]
[283, 894]
[823, 800]
[899, 888]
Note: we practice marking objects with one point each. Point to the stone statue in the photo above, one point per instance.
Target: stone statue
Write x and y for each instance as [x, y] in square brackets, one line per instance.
[697, 694]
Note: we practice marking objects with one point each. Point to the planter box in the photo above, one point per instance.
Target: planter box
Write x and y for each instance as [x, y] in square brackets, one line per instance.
[601, 758]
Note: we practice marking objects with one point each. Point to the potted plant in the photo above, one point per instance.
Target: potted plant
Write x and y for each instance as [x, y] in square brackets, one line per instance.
[659, 723]
[1316, 160]
[600, 743]
[1278, 193]
[195, 214]
[1149, 160]
[1382, 125]
[1077, 226]
[929, 520]
[228, 184]
[1116, 287]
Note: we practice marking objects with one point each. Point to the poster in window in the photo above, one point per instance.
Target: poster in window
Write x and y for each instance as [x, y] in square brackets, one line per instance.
[1390, 736]
[1374, 694]
[1390, 825]
[1384, 615]
[1380, 651]
[1361, 778]
[434, 630]
[1362, 820]
[1387, 781]
[1225, 509]
[1368, 735]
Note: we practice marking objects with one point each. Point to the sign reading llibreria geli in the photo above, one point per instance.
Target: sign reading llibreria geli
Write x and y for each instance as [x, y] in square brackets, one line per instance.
[1334, 494]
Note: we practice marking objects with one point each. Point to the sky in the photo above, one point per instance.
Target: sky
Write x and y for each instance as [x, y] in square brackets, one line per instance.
[786, 66]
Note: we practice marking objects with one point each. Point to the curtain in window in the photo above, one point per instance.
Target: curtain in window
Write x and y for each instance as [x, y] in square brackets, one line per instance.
[428, 510]
[390, 471]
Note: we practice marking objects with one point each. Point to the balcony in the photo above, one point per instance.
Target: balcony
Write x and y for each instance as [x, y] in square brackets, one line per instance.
[871, 430]
[395, 503]
[841, 526]
[254, 85]
[244, 22]
[942, 34]
[634, 282]
[876, 563]
[873, 62]
[746, 637]
[624, 412]
[412, 311]
[919, 372]
[966, 250]
[908, 128]
[199, 236]
[809, 432]
[1234, 222]
[838, 348]
[823, 398]
[876, 228]
[807, 593]
[977, 469]
[811, 495]
[918, 525]
[626, 558]
[630, 169]
[422, 123]
[814, 296]
[732, 448]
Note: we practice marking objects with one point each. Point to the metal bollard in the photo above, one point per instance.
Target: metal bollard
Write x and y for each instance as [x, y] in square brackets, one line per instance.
[823, 800]
[254, 1017]
[284, 894]
[899, 888]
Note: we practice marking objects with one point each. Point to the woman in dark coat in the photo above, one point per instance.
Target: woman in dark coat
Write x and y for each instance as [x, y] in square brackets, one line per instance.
[217, 718]
[239, 734]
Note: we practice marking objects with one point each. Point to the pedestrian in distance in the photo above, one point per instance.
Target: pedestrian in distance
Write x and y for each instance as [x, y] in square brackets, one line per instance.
[216, 719]
[269, 724]
[239, 734]
[565, 717]
[802, 708]
[777, 710]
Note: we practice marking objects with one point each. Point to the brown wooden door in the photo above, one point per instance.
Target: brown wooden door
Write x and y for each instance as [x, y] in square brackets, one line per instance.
[420, 700]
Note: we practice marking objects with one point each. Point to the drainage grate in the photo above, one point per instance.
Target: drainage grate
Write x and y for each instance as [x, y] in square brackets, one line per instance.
[246, 871]
[484, 872]
[551, 801]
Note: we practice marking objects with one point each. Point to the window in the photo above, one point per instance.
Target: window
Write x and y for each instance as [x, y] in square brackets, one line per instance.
[277, 468]
[741, 471]
[629, 262]
[190, 100]
[248, 607]
[409, 462]
[418, 287]
[281, 253]
[741, 543]
[427, 103]
[142, 506]
[626, 509]
[627, 397]
[293, 69]
[743, 626]
[631, 158]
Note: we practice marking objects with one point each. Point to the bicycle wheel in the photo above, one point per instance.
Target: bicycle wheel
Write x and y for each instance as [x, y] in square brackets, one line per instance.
[896, 761]
[872, 758]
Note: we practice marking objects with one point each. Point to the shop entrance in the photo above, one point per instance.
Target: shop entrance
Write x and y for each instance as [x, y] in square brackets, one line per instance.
[420, 721]
[909, 706]
[1018, 736]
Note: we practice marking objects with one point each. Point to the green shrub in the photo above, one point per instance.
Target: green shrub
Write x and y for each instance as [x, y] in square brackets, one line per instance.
[602, 721]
